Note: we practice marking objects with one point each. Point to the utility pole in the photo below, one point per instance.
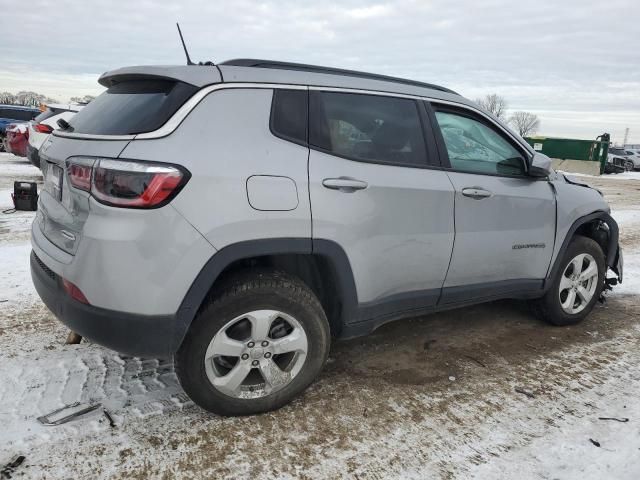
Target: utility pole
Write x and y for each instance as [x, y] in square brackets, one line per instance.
[626, 137]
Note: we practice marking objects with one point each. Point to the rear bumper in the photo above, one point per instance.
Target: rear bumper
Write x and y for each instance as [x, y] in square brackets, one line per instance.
[33, 156]
[139, 335]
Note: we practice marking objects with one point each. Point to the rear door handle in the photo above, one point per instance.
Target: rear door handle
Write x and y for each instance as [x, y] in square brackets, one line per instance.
[344, 184]
[476, 193]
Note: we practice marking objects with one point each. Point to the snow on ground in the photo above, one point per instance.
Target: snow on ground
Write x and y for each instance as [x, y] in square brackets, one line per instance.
[424, 398]
[635, 175]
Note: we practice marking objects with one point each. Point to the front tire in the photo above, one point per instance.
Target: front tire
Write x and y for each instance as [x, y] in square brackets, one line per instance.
[577, 285]
[260, 341]
[629, 166]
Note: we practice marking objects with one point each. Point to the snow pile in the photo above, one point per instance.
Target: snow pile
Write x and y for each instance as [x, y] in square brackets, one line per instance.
[629, 222]
[18, 127]
[611, 176]
[15, 277]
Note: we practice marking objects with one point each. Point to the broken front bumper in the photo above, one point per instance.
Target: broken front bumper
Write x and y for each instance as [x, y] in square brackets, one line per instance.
[619, 263]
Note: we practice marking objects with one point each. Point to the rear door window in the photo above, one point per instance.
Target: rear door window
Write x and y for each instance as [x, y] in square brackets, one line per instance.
[371, 128]
[131, 107]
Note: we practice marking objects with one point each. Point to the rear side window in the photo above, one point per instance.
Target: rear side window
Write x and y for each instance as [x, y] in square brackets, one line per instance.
[132, 107]
[474, 147]
[367, 128]
[289, 115]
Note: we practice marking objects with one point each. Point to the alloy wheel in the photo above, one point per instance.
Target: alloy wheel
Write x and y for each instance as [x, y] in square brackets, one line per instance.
[578, 284]
[256, 354]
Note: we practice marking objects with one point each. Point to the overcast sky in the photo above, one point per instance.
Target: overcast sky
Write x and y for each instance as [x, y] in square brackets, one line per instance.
[576, 64]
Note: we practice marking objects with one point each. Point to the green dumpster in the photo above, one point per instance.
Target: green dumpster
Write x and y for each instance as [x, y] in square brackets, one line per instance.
[573, 149]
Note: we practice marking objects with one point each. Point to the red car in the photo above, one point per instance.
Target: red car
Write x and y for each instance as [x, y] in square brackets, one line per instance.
[17, 139]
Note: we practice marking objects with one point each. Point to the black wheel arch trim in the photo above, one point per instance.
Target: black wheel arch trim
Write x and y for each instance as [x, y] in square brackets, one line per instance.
[208, 275]
[612, 250]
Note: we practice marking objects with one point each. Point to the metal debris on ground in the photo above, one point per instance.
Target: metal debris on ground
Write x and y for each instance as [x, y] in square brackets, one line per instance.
[525, 392]
[616, 419]
[10, 467]
[60, 416]
[112, 424]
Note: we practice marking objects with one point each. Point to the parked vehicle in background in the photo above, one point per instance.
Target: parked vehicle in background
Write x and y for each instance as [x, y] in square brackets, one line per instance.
[634, 156]
[328, 203]
[45, 123]
[16, 139]
[624, 157]
[14, 114]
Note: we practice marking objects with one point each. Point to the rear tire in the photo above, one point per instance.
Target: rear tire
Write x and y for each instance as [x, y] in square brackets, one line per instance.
[576, 287]
[282, 313]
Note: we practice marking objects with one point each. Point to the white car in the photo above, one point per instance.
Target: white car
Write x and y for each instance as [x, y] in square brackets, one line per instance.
[633, 154]
[45, 123]
[630, 161]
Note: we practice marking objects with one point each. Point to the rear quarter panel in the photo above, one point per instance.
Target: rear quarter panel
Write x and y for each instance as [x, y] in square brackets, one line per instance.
[223, 142]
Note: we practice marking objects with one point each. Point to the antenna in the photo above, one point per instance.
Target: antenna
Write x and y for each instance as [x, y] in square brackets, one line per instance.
[189, 62]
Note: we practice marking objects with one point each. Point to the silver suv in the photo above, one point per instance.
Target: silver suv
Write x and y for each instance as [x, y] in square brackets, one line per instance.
[237, 216]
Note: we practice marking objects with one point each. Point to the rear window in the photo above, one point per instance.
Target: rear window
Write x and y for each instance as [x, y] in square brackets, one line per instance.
[132, 107]
[48, 113]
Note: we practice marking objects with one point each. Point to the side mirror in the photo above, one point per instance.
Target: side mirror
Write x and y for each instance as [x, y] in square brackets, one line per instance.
[540, 165]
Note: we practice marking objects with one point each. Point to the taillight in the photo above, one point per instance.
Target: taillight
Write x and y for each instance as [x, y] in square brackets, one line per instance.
[80, 176]
[74, 292]
[42, 128]
[127, 183]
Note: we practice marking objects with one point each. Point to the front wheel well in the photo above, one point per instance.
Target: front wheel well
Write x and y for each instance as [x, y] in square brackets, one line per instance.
[597, 230]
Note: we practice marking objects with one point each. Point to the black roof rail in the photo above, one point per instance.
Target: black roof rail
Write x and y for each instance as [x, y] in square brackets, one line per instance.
[301, 67]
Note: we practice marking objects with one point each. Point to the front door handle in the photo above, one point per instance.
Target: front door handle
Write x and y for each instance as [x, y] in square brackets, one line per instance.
[476, 193]
[344, 184]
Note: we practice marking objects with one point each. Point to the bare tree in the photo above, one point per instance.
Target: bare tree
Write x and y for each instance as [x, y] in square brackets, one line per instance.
[7, 98]
[32, 99]
[525, 123]
[85, 99]
[494, 104]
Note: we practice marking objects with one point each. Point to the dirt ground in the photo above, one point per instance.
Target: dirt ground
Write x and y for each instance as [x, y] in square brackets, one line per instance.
[431, 397]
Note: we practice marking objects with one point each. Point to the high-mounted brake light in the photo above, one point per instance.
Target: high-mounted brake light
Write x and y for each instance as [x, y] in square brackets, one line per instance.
[127, 183]
[43, 128]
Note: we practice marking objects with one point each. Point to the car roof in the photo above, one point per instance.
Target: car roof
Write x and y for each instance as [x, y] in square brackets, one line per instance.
[269, 71]
[301, 67]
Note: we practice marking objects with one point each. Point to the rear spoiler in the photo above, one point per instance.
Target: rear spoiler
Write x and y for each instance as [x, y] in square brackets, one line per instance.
[198, 76]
